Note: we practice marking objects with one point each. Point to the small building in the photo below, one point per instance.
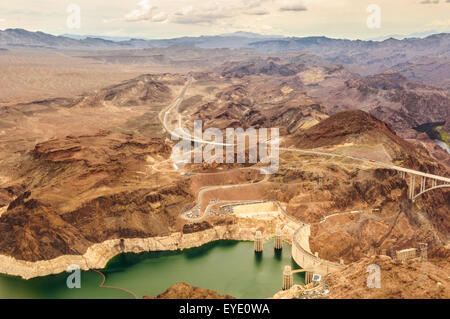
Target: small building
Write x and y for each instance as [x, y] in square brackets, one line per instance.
[406, 253]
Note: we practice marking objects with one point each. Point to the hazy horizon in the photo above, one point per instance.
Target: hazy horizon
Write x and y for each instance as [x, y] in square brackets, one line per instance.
[156, 19]
[256, 35]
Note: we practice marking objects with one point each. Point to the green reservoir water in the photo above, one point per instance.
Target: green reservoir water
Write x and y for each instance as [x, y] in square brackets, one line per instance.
[228, 267]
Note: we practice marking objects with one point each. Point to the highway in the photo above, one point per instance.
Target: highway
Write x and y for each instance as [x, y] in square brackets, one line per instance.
[324, 219]
[368, 161]
[164, 118]
[320, 153]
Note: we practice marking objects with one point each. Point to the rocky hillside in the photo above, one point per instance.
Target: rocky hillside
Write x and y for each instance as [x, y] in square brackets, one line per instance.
[427, 70]
[358, 133]
[388, 96]
[68, 194]
[270, 66]
[364, 57]
[343, 186]
[264, 102]
[145, 89]
[350, 127]
[142, 90]
[183, 290]
[410, 280]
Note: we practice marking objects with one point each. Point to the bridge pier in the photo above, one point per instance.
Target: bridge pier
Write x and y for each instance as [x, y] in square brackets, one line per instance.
[423, 184]
[278, 243]
[411, 186]
[287, 278]
[423, 251]
[258, 242]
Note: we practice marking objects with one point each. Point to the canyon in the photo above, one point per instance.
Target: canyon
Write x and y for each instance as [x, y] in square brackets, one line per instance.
[86, 173]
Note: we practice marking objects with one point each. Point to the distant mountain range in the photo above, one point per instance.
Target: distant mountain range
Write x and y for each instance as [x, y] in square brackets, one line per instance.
[241, 34]
[23, 38]
[27, 39]
[104, 37]
[423, 59]
[436, 41]
[405, 36]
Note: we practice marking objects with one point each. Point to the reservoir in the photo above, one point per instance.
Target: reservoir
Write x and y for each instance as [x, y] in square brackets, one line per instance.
[431, 130]
[228, 267]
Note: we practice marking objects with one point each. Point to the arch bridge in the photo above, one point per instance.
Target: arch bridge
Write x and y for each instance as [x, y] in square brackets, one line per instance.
[428, 182]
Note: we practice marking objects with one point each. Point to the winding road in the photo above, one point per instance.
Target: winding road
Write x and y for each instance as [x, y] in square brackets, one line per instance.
[164, 118]
[164, 121]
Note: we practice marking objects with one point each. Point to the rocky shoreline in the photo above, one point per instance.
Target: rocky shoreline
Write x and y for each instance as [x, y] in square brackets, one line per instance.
[98, 255]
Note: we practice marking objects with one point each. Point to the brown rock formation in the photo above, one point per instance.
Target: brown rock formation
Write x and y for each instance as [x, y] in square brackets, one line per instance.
[84, 190]
[183, 290]
[410, 280]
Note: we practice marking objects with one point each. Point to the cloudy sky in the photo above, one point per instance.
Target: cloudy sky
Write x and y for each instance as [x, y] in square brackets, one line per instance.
[174, 18]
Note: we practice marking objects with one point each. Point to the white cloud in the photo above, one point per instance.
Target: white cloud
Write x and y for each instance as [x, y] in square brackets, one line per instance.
[160, 17]
[212, 13]
[142, 13]
[201, 15]
[209, 13]
[347, 17]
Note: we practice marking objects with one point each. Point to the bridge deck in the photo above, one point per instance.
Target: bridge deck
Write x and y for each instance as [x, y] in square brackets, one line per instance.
[397, 168]
[411, 171]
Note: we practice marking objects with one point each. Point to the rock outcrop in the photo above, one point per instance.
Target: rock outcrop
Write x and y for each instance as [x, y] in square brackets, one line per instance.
[409, 280]
[183, 290]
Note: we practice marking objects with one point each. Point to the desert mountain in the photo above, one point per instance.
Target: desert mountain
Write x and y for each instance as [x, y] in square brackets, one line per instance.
[66, 189]
[346, 187]
[78, 190]
[357, 53]
[255, 102]
[20, 38]
[364, 57]
[389, 96]
[358, 133]
[356, 127]
[270, 66]
[23, 38]
[432, 70]
[144, 89]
